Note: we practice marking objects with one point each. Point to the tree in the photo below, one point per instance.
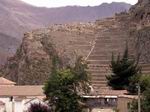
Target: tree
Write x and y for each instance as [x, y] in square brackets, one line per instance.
[123, 69]
[64, 87]
[144, 82]
[145, 102]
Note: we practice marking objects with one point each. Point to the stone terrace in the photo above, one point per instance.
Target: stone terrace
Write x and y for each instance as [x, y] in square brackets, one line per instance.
[111, 38]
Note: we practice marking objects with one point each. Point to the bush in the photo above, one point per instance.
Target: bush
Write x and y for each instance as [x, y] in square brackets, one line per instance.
[145, 102]
[38, 107]
[144, 82]
[145, 99]
[132, 88]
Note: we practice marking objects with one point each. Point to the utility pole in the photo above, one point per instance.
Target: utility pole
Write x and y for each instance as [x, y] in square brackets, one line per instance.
[139, 98]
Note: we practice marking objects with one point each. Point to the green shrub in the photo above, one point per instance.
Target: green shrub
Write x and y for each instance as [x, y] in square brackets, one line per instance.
[145, 99]
[144, 82]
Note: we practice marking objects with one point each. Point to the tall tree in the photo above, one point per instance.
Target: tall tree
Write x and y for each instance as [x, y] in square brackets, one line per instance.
[123, 69]
[64, 87]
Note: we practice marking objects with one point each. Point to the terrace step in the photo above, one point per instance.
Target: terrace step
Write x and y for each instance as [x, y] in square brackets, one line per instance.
[97, 57]
[100, 85]
[146, 72]
[145, 68]
[98, 70]
[103, 79]
[99, 61]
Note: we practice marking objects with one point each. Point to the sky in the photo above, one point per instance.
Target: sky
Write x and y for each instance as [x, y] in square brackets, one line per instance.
[59, 3]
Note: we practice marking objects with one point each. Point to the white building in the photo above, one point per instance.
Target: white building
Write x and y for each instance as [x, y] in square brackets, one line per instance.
[18, 98]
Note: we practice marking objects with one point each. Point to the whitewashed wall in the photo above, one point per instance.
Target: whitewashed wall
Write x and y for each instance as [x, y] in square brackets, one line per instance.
[18, 106]
[2, 109]
[8, 104]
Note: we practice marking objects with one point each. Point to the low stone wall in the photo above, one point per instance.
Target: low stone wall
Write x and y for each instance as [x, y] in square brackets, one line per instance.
[124, 101]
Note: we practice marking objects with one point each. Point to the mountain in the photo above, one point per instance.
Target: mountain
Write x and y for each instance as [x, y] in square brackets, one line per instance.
[17, 17]
[95, 41]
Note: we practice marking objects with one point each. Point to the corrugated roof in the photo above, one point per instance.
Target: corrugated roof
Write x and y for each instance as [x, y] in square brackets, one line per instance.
[4, 81]
[21, 91]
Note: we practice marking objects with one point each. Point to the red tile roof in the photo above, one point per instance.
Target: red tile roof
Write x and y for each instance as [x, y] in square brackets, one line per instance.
[4, 81]
[21, 91]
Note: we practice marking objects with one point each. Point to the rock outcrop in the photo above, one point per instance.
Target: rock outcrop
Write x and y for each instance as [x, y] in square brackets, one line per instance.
[141, 12]
[33, 61]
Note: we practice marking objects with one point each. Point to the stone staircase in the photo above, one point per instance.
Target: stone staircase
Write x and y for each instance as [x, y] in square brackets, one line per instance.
[108, 40]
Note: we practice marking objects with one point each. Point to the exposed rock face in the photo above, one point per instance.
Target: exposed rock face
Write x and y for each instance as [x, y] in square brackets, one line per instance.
[95, 41]
[142, 38]
[140, 19]
[141, 12]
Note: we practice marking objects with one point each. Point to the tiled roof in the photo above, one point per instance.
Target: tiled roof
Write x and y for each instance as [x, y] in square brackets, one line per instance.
[4, 81]
[21, 91]
[38, 91]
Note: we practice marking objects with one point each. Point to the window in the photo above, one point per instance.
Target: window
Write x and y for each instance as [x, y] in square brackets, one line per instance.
[11, 99]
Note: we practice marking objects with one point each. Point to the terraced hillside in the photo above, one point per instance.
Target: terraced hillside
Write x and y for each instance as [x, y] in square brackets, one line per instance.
[112, 35]
[95, 41]
[111, 38]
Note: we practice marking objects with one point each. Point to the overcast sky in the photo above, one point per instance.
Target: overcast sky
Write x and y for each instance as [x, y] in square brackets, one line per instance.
[58, 3]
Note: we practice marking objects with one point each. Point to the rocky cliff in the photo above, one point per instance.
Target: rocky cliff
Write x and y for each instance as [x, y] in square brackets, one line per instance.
[140, 20]
[94, 41]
